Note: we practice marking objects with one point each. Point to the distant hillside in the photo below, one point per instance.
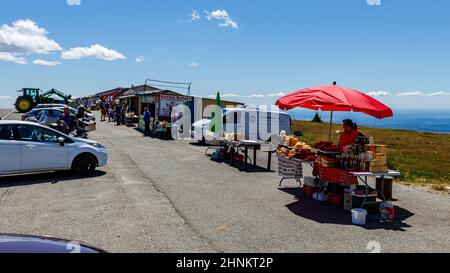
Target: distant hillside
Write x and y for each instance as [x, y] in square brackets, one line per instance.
[423, 158]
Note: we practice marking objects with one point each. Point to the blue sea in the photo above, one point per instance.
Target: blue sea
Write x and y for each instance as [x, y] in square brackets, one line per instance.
[433, 121]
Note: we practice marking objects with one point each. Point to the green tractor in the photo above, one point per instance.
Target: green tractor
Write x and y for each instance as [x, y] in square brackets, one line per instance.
[31, 97]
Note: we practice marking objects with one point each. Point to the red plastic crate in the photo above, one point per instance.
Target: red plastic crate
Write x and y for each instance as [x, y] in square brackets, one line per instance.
[335, 199]
[308, 190]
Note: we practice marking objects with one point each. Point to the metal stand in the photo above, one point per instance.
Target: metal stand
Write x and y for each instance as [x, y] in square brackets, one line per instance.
[363, 177]
[285, 178]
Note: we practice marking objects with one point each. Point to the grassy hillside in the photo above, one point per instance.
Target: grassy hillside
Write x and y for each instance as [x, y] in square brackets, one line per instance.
[423, 158]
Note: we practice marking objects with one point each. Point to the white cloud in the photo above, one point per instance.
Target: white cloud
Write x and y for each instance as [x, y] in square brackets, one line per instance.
[140, 59]
[379, 94]
[74, 2]
[46, 63]
[25, 36]
[223, 16]
[254, 96]
[195, 16]
[410, 94]
[422, 94]
[436, 94]
[94, 51]
[260, 96]
[257, 96]
[5, 97]
[9, 57]
[230, 95]
[277, 95]
[194, 65]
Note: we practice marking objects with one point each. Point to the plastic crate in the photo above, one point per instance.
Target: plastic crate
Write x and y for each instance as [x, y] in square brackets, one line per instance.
[309, 190]
[335, 199]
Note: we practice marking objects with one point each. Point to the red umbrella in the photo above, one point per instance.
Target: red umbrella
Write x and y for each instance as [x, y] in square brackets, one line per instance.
[335, 98]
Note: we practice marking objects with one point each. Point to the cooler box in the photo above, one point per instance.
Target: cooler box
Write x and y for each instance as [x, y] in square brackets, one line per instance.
[90, 126]
[388, 187]
[371, 205]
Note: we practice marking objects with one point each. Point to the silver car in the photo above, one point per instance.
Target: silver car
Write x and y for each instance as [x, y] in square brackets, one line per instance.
[73, 111]
[52, 115]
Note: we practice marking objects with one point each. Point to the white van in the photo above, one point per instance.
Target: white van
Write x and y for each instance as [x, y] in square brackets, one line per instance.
[251, 123]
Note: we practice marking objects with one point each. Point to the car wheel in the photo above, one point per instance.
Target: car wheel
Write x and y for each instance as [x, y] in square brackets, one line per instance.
[84, 165]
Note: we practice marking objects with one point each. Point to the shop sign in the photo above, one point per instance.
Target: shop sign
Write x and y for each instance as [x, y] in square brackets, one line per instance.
[168, 102]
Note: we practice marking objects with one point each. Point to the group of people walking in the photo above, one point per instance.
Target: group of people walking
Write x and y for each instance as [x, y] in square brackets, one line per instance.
[114, 112]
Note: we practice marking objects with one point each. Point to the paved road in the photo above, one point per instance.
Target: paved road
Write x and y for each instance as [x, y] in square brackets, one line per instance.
[160, 196]
[4, 112]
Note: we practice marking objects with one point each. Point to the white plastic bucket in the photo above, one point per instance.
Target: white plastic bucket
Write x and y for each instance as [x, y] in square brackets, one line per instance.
[359, 217]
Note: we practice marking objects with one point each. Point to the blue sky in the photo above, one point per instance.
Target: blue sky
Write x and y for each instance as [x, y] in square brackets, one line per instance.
[251, 51]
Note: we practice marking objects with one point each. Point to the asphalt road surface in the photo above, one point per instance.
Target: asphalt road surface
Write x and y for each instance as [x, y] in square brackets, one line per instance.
[4, 112]
[167, 196]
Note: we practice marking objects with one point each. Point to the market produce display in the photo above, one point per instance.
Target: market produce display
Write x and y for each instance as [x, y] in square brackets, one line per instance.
[294, 148]
[233, 136]
[326, 146]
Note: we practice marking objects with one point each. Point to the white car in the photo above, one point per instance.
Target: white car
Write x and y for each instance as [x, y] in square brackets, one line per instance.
[27, 147]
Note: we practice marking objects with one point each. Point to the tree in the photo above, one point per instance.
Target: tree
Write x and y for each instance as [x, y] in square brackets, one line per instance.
[317, 118]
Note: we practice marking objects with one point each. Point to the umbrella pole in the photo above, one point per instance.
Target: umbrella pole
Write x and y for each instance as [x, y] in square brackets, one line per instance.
[331, 126]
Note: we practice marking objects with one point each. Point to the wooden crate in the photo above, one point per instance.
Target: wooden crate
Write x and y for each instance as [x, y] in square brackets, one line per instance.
[377, 149]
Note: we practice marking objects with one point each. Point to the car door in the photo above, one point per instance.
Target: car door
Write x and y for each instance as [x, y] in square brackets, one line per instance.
[40, 149]
[10, 161]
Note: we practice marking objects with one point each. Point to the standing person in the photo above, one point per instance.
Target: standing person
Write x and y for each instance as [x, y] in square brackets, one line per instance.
[123, 113]
[107, 106]
[118, 113]
[103, 111]
[111, 113]
[147, 122]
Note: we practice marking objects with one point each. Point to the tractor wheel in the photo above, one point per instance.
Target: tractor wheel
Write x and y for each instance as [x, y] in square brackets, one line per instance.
[24, 105]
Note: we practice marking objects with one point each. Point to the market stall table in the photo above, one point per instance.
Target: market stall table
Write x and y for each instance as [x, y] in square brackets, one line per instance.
[363, 177]
[348, 178]
[246, 144]
[130, 120]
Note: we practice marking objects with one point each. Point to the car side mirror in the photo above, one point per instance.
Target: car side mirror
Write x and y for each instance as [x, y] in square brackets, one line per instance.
[61, 141]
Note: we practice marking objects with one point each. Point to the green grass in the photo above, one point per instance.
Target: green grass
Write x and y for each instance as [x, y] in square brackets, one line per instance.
[422, 158]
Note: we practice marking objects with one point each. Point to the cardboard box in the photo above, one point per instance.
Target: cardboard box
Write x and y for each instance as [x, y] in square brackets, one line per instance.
[377, 149]
[348, 205]
[382, 159]
[378, 168]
